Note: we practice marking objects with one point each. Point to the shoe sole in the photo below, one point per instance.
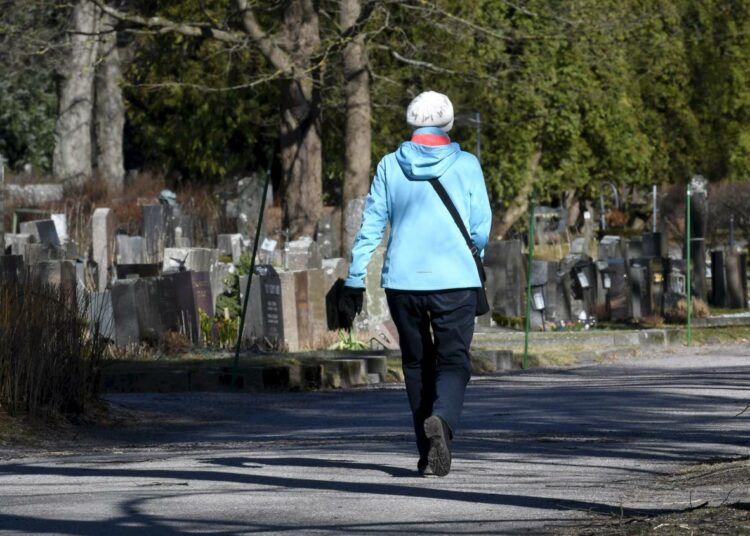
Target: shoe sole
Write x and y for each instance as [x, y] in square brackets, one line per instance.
[439, 457]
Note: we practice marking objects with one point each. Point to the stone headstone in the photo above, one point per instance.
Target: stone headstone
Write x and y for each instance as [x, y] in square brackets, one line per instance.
[125, 313]
[44, 231]
[194, 259]
[719, 296]
[504, 266]
[291, 341]
[101, 314]
[192, 295]
[130, 249]
[153, 228]
[334, 269]
[328, 234]
[635, 248]
[618, 294]
[11, 268]
[264, 321]
[302, 254]
[375, 308]
[638, 276]
[654, 245]
[579, 246]
[735, 289]
[16, 242]
[130, 271]
[61, 227]
[35, 253]
[102, 246]
[58, 273]
[230, 245]
[611, 247]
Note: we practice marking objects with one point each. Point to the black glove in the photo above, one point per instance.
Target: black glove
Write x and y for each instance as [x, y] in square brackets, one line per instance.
[350, 304]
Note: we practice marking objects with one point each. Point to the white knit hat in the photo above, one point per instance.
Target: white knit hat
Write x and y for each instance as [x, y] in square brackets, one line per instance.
[430, 109]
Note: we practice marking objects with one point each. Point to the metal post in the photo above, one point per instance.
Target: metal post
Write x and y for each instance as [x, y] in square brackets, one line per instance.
[528, 286]
[689, 239]
[249, 282]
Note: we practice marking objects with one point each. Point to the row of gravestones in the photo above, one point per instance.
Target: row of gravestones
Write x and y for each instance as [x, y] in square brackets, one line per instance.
[630, 280]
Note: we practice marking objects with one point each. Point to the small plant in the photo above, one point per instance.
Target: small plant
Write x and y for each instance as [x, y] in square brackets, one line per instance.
[347, 342]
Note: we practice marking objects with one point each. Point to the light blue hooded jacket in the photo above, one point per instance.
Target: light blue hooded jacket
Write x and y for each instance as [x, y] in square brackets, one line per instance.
[426, 250]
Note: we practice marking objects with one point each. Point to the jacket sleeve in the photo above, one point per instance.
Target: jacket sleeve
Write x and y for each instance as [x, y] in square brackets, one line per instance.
[374, 221]
[480, 216]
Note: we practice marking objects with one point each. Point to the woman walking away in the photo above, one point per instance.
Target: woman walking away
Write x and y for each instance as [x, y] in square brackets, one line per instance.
[429, 274]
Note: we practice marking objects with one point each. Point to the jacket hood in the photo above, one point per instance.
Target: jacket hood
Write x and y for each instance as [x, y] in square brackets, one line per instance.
[425, 162]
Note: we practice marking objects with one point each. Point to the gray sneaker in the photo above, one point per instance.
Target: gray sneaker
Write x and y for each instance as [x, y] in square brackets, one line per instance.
[439, 456]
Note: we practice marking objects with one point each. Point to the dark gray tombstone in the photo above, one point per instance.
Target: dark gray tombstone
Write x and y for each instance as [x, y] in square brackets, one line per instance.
[638, 288]
[153, 229]
[618, 295]
[654, 245]
[192, 295]
[719, 296]
[11, 268]
[44, 231]
[635, 248]
[128, 271]
[506, 277]
[735, 291]
[655, 295]
[125, 313]
[265, 320]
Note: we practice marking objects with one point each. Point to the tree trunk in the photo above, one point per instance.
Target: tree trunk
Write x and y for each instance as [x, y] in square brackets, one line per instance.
[300, 122]
[520, 204]
[358, 159]
[71, 163]
[110, 110]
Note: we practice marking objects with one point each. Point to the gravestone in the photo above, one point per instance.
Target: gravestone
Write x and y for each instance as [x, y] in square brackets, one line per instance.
[43, 231]
[230, 245]
[334, 269]
[539, 278]
[11, 268]
[736, 297]
[375, 307]
[61, 227]
[194, 259]
[719, 296]
[654, 245]
[102, 245]
[291, 341]
[125, 312]
[57, 273]
[638, 277]
[2, 202]
[699, 223]
[130, 271]
[16, 242]
[153, 229]
[328, 234]
[264, 321]
[506, 277]
[618, 294]
[352, 221]
[635, 248]
[192, 294]
[35, 253]
[101, 314]
[219, 274]
[131, 249]
[611, 247]
[302, 254]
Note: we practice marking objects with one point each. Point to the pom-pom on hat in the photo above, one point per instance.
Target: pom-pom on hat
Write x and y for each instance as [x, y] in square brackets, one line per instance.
[430, 109]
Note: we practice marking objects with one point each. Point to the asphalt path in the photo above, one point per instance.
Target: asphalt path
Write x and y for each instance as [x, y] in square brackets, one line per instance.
[537, 451]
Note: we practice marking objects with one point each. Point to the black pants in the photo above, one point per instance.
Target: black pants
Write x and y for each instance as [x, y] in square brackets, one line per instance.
[435, 331]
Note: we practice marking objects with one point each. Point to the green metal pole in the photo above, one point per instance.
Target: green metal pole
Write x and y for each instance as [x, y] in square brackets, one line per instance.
[689, 236]
[249, 282]
[528, 286]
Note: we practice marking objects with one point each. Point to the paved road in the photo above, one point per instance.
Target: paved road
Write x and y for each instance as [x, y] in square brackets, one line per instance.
[539, 450]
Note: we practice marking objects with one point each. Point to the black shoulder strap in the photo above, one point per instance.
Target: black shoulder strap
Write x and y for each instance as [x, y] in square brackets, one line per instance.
[445, 198]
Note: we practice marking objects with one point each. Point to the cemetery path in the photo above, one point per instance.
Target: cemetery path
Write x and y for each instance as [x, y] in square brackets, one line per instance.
[539, 451]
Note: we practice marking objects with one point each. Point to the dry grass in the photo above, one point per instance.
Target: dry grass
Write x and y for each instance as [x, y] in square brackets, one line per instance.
[50, 356]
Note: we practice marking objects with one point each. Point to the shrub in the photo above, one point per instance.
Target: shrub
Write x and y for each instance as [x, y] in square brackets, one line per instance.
[50, 356]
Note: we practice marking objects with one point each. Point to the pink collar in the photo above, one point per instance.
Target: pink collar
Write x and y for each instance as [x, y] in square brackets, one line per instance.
[430, 139]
